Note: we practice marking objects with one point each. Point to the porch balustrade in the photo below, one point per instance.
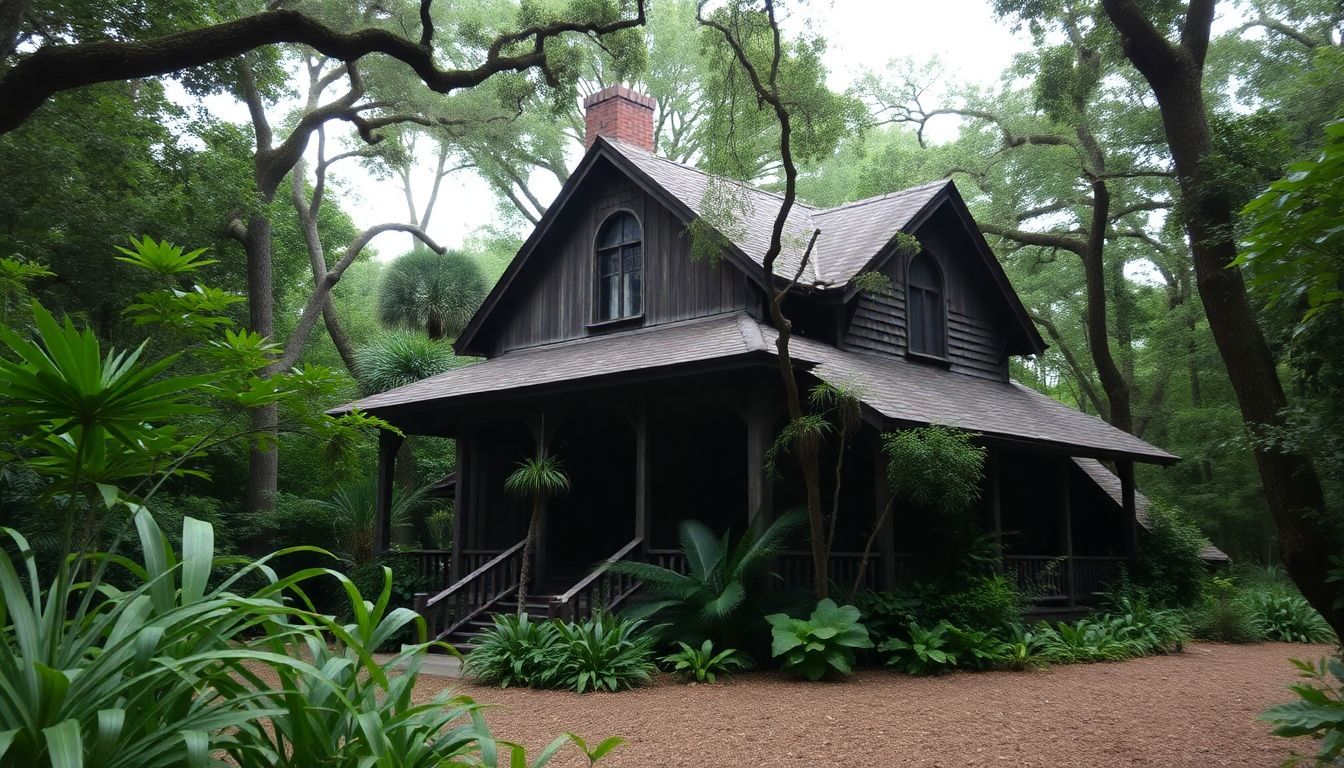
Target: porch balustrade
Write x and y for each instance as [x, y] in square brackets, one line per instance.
[486, 585]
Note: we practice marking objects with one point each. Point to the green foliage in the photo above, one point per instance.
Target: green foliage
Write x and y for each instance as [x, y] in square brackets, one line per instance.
[702, 664]
[397, 358]
[988, 603]
[176, 667]
[535, 478]
[720, 596]
[432, 293]
[516, 651]
[820, 644]
[1318, 711]
[923, 651]
[1170, 570]
[1289, 619]
[1130, 631]
[1294, 243]
[936, 467]
[163, 257]
[352, 508]
[604, 653]
[1226, 615]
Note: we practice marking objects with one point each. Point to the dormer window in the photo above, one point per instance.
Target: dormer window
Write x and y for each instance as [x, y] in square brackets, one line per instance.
[620, 268]
[925, 308]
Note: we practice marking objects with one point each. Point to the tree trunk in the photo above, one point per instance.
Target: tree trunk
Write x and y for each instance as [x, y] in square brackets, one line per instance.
[525, 568]
[263, 465]
[1307, 537]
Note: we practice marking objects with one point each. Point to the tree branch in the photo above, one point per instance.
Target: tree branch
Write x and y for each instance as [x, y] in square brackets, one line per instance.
[1042, 239]
[55, 68]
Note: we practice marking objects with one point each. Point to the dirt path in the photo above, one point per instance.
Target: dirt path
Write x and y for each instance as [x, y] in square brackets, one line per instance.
[1194, 709]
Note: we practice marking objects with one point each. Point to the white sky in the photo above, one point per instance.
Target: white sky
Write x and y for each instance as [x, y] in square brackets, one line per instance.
[973, 45]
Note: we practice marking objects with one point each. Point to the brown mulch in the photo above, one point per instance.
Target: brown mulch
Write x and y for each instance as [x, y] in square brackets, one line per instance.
[1197, 708]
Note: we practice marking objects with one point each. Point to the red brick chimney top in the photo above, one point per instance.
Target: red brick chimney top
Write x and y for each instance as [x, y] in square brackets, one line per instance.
[621, 114]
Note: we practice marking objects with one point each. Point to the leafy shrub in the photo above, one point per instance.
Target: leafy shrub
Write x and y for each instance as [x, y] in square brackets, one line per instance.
[1024, 647]
[1170, 570]
[1226, 615]
[398, 358]
[1083, 641]
[889, 612]
[605, 653]
[978, 649]
[923, 651]
[989, 603]
[702, 664]
[1318, 711]
[1147, 630]
[1290, 619]
[821, 643]
[172, 669]
[516, 651]
[721, 595]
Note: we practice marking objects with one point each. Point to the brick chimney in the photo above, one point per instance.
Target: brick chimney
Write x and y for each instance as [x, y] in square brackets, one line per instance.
[620, 114]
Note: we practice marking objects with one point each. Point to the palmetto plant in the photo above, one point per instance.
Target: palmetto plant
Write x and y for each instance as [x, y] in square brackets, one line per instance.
[353, 505]
[431, 292]
[398, 358]
[717, 597]
[540, 480]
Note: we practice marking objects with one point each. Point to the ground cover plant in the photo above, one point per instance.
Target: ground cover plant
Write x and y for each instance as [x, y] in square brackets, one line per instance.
[603, 653]
[822, 644]
[703, 664]
[1318, 712]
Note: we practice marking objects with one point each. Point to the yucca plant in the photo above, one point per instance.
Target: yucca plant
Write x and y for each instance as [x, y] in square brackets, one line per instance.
[434, 293]
[517, 650]
[605, 653]
[353, 506]
[538, 479]
[718, 598]
[397, 358]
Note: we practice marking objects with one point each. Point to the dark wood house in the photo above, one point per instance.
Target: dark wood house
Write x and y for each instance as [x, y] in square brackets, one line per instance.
[653, 376]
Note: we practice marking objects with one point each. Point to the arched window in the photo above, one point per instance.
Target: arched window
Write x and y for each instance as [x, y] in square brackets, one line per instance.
[620, 268]
[924, 307]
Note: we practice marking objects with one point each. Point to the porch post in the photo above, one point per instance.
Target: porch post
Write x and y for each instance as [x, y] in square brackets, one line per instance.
[996, 509]
[886, 538]
[643, 481]
[461, 502]
[388, 443]
[1125, 469]
[1066, 503]
[759, 500]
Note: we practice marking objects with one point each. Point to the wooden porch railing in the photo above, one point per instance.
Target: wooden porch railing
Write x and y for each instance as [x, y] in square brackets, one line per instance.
[797, 571]
[432, 566]
[1040, 577]
[1093, 574]
[488, 583]
[598, 592]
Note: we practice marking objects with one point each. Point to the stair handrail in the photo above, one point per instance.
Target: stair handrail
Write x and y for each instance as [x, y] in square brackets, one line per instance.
[566, 605]
[471, 599]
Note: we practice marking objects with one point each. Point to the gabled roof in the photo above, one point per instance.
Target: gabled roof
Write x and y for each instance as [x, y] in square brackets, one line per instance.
[1107, 481]
[896, 392]
[853, 237]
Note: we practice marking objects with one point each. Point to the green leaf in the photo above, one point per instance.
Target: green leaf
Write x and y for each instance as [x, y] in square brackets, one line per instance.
[65, 746]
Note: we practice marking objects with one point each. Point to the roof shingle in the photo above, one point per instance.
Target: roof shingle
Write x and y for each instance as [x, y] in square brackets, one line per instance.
[1107, 481]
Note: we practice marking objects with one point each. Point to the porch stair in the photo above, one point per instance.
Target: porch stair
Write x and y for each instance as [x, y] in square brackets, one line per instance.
[462, 613]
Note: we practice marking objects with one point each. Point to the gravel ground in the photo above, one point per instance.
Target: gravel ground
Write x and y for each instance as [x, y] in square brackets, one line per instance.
[1197, 708]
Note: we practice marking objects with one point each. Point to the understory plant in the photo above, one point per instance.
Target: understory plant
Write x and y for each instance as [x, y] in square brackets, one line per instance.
[1289, 619]
[923, 651]
[1225, 614]
[1318, 711]
[720, 596]
[821, 644]
[603, 653]
[703, 665]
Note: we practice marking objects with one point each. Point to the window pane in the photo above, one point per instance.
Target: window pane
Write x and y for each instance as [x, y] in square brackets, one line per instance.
[611, 232]
[916, 317]
[924, 273]
[633, 291]
[630, 229]
[631, 258]
[937, 337]
[608, 262]
[608, 297]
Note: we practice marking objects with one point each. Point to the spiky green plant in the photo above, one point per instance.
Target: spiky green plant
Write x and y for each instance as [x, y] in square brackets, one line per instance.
[435, 294]
[397, 358]
[517, 650]
[702, 664]
[538, 479]
[718, 598]
[353, 506]
[604, 653]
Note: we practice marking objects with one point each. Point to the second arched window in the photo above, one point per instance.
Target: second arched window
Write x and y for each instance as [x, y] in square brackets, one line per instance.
[925, 308]
[620, 268]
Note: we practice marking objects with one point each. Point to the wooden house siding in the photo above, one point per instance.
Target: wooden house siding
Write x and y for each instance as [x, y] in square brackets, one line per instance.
[976, 342]
[554, 300]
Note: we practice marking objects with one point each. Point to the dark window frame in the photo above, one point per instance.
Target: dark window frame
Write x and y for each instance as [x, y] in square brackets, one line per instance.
[926, 330]
[601, 291]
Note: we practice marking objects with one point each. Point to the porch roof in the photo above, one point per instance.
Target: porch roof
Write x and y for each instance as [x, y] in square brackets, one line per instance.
[1107, 481]
[897, 390]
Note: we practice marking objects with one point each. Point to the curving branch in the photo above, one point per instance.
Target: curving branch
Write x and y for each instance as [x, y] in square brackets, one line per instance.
[51, 69]
[297, 340]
